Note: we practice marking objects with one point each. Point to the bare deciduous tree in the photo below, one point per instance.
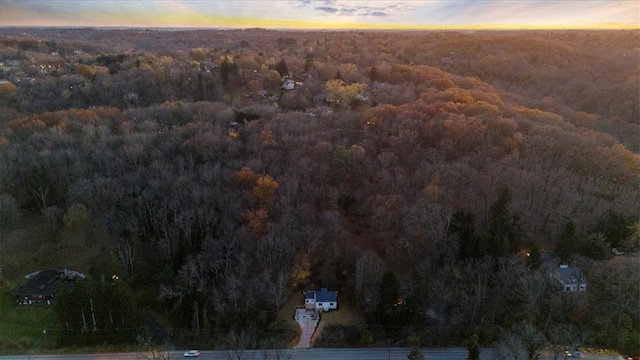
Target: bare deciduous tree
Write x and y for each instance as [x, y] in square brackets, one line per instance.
[369, 269]
[235, 343]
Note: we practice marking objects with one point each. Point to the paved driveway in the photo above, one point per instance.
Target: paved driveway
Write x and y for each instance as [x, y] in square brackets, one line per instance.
[308, 321]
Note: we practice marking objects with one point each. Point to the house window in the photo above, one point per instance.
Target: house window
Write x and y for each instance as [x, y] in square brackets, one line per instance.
[330, 304]
[567, 288]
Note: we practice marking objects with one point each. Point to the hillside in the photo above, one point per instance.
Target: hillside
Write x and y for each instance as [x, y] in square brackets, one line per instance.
[420, 166]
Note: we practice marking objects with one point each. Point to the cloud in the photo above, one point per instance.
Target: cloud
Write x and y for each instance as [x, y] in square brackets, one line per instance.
[526, 12]
[327, 9]
[330, 12]
[305, 4]
[359, 9]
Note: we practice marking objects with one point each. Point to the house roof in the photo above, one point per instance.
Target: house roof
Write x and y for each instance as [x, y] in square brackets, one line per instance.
[46, 282]
[571, 275]
[289, 84]
[43, 283]
[323, 295]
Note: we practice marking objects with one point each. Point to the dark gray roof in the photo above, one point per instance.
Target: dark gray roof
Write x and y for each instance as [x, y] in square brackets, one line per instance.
[571, 275]
[43, 283]
[323, 295]
[46, 282]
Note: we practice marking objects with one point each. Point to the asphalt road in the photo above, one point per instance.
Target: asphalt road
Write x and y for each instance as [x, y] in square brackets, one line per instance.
[300, 354]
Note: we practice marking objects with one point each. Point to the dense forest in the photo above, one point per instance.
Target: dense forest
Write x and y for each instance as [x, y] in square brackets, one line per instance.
[435, 179]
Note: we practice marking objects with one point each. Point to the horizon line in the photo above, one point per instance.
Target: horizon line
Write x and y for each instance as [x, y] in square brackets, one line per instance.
[498, 27]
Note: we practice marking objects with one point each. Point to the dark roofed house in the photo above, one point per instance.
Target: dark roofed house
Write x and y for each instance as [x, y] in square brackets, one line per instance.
[572, 279]
[41, 286]
[324, 300]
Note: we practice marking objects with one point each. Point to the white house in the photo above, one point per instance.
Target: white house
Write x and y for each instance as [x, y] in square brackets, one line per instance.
[289, 85]
[617, 252]
[571, 279]
[324, 300]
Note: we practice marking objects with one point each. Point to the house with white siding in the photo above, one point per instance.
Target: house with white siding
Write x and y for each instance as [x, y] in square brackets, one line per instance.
[571, 279]
[323, 300]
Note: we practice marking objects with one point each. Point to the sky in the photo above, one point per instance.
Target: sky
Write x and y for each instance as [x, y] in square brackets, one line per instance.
[325, 14]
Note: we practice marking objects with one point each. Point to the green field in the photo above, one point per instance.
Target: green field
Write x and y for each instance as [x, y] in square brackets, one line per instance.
[25, 328]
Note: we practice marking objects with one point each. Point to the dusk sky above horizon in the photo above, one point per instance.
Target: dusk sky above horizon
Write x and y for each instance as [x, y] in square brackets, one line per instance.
[324, 14]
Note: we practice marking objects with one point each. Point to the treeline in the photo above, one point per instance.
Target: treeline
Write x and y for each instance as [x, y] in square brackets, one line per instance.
[415, 190]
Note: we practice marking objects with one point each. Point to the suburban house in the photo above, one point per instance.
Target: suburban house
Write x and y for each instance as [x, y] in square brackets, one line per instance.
[617, 252]
[41, 286]
[233, 129]
[289, 85]
[323, 300]
[571, 279]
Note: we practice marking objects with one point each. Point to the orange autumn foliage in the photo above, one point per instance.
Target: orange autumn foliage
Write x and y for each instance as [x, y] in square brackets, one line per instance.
[256, 220]
[245, 176]
[265, 189]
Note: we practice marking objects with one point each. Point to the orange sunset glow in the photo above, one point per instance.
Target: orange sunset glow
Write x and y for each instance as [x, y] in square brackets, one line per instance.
[330, 14]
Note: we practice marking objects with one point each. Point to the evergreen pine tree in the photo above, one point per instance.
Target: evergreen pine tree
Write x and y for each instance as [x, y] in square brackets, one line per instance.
[473, 347]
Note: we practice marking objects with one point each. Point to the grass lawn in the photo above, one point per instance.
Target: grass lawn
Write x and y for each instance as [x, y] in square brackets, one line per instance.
[287, 312]
[21, 327]
[345, 315]
[33, 247]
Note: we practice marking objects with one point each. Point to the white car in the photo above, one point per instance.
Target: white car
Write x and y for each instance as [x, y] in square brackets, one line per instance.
[574, 354]
[191, 353]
